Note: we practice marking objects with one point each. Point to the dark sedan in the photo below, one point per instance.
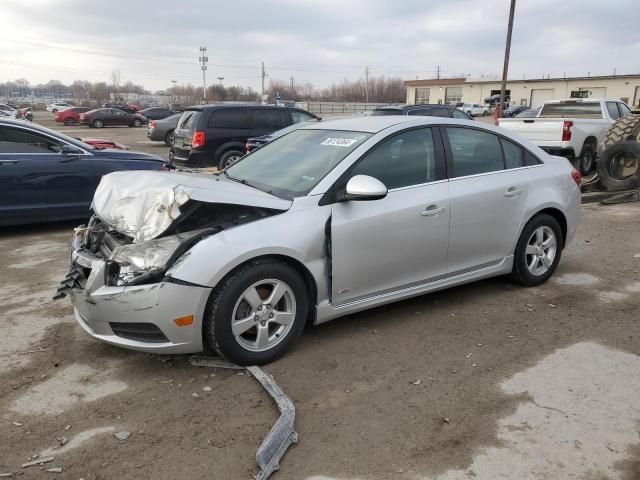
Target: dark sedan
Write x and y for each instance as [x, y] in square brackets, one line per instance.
[46, 176]
[156, 113]
[102, 117]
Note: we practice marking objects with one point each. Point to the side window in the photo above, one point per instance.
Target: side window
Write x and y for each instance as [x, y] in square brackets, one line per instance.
[613, 110]
[269, 118]
[406, 159]
[530, 159]
[474, 152]
[624, 110]
[458, 114]
[299, 116]
[229, 118]
[513, 156]
[14, 140]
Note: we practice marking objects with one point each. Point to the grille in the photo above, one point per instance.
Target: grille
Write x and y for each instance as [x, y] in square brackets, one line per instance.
[139, 332]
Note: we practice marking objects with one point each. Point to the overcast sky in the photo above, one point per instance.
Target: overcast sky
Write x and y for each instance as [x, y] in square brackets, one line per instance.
[315, 41]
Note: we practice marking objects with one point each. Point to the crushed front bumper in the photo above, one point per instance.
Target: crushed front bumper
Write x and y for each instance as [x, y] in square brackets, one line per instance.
[137, 317]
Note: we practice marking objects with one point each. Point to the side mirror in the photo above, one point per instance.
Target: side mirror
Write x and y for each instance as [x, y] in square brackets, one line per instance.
[364, 187]
[70, 150]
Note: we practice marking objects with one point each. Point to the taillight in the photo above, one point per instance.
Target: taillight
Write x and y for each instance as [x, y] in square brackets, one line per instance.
[566, 130]
[247, 147]
[153, 124]
[577, 176]
[197, 139]
[164, 167]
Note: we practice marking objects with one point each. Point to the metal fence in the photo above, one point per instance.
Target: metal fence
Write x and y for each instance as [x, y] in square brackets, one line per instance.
[339, 108]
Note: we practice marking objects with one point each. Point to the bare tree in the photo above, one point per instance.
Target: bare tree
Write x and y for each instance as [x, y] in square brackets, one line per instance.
[115, 82]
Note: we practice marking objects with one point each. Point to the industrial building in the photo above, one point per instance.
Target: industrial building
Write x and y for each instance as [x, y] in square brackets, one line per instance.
[528, 92]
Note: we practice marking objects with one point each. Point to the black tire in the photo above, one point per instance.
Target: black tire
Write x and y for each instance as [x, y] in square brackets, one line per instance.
[228, 157]
[587, 159]
[168, 138]
[520, 272]
[69, 121]
[625, 128]
[97, 124]
[217, 331]
[610, 166]
[136, 123]
[55, 110]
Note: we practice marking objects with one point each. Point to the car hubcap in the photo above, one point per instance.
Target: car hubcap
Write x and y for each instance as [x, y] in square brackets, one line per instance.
[263, 315]
[541, 251]
[232, 159]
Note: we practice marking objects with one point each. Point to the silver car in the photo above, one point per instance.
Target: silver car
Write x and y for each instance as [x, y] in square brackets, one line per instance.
[162, 130]
[328, 220]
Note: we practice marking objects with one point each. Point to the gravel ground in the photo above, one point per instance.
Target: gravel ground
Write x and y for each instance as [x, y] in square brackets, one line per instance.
[483, 381]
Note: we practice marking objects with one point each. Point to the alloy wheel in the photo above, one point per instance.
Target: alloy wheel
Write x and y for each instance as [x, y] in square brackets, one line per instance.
[541, 250]
[263, 315]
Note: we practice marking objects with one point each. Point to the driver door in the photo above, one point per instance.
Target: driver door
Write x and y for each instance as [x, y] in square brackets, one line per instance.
[401, 240]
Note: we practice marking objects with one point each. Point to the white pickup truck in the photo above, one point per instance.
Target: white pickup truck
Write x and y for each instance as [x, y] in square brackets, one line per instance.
[570, 128]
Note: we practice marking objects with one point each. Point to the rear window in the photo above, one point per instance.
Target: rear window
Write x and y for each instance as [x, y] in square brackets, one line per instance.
[269, 118]
[229, 118]
[440, 112]
[386, 111]
[571, 110]
[189, 119]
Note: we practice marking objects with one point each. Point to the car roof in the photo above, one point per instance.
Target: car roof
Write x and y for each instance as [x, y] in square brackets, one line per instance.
[402, 108]
[374, 124]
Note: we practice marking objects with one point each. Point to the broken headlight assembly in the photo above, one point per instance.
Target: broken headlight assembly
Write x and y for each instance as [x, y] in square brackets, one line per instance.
[142, 262]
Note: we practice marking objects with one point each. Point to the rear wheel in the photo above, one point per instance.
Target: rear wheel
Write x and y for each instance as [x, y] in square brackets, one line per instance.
[97, 124]
[69, 121]
[538, 251]
[256, 313]
[587, 159]
[168, 138]
[228, 157]
[137, 122]
[55, 110]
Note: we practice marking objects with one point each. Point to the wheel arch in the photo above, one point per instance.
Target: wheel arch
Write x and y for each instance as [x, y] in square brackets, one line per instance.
[555, 213]
[226, 147]
[590, 140]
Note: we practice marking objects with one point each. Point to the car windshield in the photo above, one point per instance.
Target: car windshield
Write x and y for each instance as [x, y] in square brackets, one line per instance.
[293, 164]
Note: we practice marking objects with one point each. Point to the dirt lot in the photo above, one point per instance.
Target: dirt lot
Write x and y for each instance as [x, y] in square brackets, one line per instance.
[484, 381]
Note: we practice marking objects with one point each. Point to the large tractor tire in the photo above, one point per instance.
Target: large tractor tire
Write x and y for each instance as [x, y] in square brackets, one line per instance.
[625, 128]
[619, 167]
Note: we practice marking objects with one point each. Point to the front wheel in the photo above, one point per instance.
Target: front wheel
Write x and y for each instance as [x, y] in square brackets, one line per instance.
[98, 124]
[137, 122]
[69, 121]
[229, 157]
[538, 251]
[256, 313]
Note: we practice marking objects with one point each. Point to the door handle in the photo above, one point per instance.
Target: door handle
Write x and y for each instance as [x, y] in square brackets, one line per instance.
[9, 161]
[432, 211]
[513, 192]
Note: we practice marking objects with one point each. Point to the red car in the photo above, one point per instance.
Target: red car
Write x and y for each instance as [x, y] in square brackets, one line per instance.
[101, 143]
[71, 116]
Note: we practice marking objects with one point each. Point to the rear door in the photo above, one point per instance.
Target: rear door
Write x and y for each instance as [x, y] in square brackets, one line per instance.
[267, 120]
[120, 117]
[400, 240]
[487, 198]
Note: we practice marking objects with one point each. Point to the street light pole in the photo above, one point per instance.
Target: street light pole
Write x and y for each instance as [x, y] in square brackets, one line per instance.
[220, 78]
[174, 90]
[505, 67]
[203, 60]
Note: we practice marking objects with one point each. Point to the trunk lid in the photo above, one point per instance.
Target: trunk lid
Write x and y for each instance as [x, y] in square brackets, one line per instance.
[183, 133]
[537, 130]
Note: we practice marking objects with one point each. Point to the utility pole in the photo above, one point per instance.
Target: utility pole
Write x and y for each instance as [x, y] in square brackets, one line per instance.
[203, 60]
[438, 72]
[293, 91]
[366, 84]
[174, 90]
[507, 50]
[264, 75]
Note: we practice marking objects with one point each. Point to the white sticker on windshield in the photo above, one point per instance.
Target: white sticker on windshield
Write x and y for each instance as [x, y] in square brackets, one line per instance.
[339, 142]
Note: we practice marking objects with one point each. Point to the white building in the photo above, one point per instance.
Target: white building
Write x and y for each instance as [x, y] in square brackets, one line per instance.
[530, 92]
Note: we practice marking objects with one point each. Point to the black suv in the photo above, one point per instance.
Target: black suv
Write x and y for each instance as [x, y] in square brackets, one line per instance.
[425, 109]
[215, 135]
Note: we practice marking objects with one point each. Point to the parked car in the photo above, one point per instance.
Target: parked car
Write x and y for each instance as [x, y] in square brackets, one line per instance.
[425, 109]
[514, 110]
[215, 135]
[156, 113]
[331, 219]
[494, 100]
[257, 142]
[474, 109]
[127, 107]
[162, 130]
[9, 111]
[529, 113]
[71, 116]
[47, 176]
[58, 107]
[101, 117]
[573, 128]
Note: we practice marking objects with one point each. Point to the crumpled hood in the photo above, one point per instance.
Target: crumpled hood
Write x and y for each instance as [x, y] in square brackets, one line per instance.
[143, 204]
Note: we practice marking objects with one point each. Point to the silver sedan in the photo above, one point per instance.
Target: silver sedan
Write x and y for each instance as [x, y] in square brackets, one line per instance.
[327, 220]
